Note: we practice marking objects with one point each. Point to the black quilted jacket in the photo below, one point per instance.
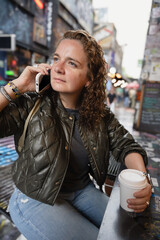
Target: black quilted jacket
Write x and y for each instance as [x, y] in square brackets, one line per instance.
[41, 167]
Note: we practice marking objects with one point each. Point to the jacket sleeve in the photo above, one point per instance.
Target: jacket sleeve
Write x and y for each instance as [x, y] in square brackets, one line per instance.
[12, 117]
[122, 142]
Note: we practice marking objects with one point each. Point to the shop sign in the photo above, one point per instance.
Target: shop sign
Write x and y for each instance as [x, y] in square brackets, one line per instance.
[42, 32]
[49, 21]
[39, 35]
[39, 4]
[106, 42]
[155, 71]
[104, 32]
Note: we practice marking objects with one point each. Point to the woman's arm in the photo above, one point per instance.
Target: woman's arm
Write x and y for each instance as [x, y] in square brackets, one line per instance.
[24, 83]
[135, 161]
[122, 143]
[4, 101]
[12, 116]
[125, 149]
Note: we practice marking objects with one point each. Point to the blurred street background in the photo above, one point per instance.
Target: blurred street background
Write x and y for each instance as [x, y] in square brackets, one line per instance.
[129, 33]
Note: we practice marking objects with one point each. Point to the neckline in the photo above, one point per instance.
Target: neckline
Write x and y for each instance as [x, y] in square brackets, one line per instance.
[72, 110]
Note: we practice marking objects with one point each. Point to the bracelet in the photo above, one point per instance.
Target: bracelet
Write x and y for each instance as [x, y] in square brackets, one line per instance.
[14, 89]
[5, 94]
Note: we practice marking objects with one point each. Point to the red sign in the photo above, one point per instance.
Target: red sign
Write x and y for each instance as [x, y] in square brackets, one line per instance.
[39, 4]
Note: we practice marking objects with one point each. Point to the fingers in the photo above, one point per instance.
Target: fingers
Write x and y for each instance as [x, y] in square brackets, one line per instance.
[26, 81]
[141, 200]
[142, 193]
[31, 71]
[42, 68]
[138, 205]
[137, 208]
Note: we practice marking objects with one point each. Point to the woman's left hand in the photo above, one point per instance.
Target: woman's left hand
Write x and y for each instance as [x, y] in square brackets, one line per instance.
[141, 200]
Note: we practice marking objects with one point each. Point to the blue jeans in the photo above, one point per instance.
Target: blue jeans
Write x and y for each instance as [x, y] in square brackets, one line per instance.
[74, 216]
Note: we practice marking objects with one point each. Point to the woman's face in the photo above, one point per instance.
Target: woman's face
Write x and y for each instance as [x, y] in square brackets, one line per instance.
[69, 69]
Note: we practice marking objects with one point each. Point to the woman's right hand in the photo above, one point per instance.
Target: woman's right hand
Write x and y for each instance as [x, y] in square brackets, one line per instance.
[26, 81]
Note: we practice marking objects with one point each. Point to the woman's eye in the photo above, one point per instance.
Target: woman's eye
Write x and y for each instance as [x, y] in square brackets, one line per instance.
[55, 59]
[72, 64]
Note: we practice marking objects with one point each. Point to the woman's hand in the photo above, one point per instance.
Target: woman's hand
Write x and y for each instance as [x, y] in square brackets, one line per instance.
[142, 199]
[26, 81]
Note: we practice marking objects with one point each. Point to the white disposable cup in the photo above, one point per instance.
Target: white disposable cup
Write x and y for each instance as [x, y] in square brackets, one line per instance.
[130, 181]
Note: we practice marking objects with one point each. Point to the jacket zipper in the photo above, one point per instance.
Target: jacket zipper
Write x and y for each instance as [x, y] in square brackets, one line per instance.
[94, 162]
[92, 155]
[67, 165]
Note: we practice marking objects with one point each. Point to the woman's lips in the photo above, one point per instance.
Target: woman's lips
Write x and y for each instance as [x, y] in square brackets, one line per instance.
[58, 80]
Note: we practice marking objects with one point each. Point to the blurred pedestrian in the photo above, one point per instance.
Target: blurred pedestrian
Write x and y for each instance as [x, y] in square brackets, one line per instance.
[132, 97]
[126, 98]
[111, 99]
[119, 95]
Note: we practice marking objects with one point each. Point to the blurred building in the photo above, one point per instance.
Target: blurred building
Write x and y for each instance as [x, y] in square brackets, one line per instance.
[147, 117]
[105, 33]
[151, 61]
[32, 23]
[73, 14]
[37, 25]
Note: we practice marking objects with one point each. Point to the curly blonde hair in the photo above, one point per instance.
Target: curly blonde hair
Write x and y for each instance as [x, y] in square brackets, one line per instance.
[92, 102]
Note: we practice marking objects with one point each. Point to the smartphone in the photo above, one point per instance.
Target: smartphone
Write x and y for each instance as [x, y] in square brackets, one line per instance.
[42, 82]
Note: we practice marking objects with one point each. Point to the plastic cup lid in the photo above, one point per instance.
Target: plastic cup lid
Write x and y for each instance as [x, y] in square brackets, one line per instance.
[133, 178]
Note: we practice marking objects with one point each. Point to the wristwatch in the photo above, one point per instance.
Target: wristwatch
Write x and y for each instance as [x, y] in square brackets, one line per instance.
[148, 176]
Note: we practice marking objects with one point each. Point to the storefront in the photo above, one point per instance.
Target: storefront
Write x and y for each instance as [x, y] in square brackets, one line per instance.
[16, 62]
[32, 23]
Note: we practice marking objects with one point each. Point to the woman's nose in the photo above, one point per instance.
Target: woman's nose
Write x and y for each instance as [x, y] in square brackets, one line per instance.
[59, 68]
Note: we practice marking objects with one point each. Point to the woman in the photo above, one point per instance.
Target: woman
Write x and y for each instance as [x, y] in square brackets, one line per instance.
[67, 143]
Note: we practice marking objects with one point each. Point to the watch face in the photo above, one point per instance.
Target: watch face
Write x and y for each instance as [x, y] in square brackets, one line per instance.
[149, 180]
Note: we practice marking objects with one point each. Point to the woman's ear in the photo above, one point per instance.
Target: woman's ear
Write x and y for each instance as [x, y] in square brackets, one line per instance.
[87, 84]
